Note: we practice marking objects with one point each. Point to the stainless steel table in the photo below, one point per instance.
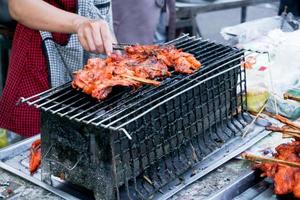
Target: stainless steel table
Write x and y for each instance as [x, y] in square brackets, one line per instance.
[186, 10]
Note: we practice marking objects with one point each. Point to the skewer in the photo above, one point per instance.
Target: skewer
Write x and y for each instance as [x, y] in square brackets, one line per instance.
[142, 80]
[288, 135]
[256, 158]
[283, 130]
[283, 120]
[122, 46]
[288, 96]
[253, 121]
[148, 180]
[151, 183]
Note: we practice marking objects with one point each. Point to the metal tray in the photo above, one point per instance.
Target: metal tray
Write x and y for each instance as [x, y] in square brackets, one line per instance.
[15, 160]
[250, 186]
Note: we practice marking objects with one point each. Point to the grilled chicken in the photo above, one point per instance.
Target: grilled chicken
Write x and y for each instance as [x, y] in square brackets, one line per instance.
[170, 56]
[286, 178]
[35, 156]
[139, 65]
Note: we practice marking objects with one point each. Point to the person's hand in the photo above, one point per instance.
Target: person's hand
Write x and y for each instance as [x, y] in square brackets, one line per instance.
[95, 36]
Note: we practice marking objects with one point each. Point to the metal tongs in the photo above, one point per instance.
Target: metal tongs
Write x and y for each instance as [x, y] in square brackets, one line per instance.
[182, 38]
[122, 46]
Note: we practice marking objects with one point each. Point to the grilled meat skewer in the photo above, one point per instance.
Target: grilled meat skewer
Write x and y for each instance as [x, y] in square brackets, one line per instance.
[284, 169]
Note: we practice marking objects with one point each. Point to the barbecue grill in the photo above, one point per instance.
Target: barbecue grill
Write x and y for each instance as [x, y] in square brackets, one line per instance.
[140, 144]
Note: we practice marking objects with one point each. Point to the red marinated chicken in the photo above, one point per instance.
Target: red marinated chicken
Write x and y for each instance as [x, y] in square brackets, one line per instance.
[286, 178]
[35, 156]
[139, 65]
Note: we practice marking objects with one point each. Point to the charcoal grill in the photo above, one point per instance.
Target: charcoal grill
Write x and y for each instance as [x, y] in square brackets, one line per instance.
[140, 144]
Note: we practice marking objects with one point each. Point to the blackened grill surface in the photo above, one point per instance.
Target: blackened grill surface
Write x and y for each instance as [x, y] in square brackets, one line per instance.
[173, 127]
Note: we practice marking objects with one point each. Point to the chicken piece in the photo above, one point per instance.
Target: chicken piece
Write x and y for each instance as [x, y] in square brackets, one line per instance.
[85, 80]
[104, 87]
[142, 49]
[101, 91]
[165, 59]
[181, 61]
[183, 66]
[286, 178]
[35, 156]
[152, 68]
[168, 55]
[269, 169]
[194, 62]
[296, 188]
[95, 63]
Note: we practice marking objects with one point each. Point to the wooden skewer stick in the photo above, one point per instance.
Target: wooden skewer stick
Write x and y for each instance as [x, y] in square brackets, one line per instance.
[253, 121]
[289, 135]
[288, 96]
[148, 180]
[256, 158]
[286, 121]
[283, 120]
[143, 80]
[282, 130]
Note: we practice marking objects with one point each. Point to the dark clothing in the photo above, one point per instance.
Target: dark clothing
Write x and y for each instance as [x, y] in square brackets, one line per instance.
[293, 6]
[135, 21]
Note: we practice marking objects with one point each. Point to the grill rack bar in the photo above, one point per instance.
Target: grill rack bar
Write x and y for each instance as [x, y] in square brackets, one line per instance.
[190, 42]
[68, 99]
[67, 106]
[196, 46]
[55, 98]
[49, 92]
[185, 35]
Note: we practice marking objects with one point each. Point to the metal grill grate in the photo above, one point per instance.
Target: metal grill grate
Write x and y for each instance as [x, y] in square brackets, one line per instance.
[119, 109]
[171, 128]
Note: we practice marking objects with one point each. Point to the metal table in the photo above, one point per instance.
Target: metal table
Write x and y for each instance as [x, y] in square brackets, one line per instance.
[186, 10]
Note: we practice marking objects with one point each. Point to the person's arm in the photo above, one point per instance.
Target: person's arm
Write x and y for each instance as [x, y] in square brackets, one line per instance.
[94, 36]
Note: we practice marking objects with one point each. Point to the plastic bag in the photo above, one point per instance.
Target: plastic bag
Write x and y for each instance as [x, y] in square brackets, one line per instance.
[257, 29]
[285, 67]
[252, 30]
[286, 108]
[257, 76]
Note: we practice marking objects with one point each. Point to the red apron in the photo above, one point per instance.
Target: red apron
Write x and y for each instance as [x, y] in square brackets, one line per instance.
[27, 75]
